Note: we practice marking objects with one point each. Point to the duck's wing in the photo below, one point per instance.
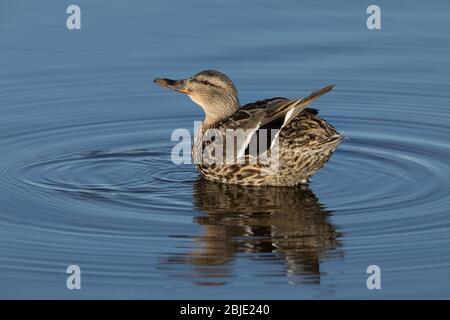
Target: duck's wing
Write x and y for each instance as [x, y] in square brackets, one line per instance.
[262, 112]
[274, 113]
[289, 109]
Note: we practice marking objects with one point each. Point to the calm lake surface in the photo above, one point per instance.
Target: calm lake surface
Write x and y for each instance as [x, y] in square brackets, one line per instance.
[86, 176]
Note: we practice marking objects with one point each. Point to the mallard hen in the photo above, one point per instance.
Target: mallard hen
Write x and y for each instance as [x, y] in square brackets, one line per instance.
[284, 142]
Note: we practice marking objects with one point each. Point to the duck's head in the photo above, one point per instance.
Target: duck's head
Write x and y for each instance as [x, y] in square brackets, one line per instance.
[212, 90]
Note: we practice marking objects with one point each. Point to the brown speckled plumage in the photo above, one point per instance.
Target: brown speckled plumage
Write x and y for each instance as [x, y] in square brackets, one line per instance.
[305, 141]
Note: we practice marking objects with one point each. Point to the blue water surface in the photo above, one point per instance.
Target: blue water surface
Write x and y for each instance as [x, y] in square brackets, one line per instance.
[86, 176]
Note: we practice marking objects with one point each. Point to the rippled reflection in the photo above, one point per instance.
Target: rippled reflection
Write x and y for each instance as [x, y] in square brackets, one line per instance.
[264, 223]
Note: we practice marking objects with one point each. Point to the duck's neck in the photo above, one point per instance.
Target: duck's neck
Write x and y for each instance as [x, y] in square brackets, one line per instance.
[219, 112]
[217, 108]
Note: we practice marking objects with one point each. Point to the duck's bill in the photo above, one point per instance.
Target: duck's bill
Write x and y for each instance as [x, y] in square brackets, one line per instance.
[177, 85]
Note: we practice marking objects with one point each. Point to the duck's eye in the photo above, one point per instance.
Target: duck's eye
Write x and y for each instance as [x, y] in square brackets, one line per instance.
[205, 82]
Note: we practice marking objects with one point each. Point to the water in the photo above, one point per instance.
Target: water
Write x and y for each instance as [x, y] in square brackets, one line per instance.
[86, 176]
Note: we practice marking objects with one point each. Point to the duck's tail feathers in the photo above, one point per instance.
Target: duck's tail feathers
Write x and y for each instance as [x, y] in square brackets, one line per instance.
[301, 104]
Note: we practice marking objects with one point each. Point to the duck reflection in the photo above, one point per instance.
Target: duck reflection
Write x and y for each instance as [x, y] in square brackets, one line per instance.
[270, 224]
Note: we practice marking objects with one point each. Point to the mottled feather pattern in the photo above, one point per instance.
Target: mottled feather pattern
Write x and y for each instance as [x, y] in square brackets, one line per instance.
[277, 141]
[306, 142]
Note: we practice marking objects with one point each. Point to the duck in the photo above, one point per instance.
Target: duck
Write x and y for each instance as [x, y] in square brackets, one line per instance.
[291, 141]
